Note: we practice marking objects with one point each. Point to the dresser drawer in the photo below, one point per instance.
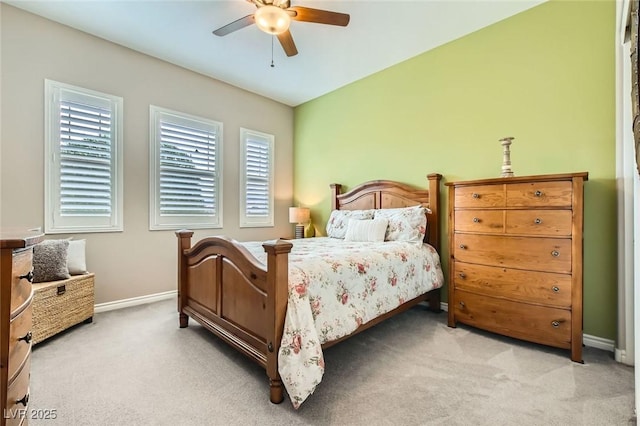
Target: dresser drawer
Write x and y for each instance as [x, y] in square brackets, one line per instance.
[539, 222]
[538, 254]
[550, 326]
[491, 221]
[21, 278]
[480, 196]
[20, 328]
[527, 286]
[18, 390]
[539, 194]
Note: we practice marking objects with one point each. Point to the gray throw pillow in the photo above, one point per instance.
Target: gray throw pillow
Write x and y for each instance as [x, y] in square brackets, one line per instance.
[50, 261]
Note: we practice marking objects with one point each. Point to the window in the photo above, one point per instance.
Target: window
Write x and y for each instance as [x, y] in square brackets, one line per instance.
[256, 179]
[185, 171]
[83, 160]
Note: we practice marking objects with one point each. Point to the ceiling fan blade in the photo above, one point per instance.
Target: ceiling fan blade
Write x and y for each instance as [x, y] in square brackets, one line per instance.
[318, 16]
[287, 43]
[235, 25]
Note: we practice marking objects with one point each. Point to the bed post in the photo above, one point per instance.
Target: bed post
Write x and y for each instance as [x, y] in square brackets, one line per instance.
[434, 231]
[277, 297]
[336, 188]
[434, 198]
[184, 243]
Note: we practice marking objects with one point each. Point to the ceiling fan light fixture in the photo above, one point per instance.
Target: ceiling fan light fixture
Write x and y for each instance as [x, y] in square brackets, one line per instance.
[272, 19]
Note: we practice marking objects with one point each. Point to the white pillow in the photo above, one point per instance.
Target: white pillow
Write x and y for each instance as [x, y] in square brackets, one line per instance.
[339, 220]
[76, 259]
[371, 230]
[405, 224]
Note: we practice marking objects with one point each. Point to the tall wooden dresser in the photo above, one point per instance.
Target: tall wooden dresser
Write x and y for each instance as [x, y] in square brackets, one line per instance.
[516, 257]
[16, 275]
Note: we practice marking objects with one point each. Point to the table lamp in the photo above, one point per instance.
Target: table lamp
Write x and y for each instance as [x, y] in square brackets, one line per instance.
[299, 216]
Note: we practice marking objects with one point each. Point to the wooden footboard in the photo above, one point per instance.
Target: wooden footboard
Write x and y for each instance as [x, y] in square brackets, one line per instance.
[223, 287]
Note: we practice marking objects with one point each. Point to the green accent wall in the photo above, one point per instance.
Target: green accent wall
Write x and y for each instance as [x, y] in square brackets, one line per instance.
[545, 76]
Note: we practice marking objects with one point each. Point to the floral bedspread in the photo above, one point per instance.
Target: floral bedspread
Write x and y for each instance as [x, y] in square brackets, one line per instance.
[335, 286]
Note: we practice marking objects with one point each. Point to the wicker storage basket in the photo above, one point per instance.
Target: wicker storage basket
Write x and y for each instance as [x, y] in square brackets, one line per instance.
[58, 305]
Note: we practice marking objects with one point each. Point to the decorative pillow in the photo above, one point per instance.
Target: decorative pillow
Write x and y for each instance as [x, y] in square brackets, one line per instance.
[405, 224]
[371, 230]
[50, 261]
[339, 220]
[76, 259]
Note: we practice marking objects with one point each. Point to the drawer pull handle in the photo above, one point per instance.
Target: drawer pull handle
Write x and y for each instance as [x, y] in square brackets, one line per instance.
[462, 246]
[28, 276]
[555, 253]
[555, 289]
[475, 195]
[27, 338]
[24, 401]
[538, 221]
[476, 220]
[462, 275]
[555, 324]
[538, 193]
[462, 304]
[61, 290]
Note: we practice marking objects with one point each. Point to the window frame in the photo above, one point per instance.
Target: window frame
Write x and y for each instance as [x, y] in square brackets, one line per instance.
[172, 222]
[54, 222]
[245, 221]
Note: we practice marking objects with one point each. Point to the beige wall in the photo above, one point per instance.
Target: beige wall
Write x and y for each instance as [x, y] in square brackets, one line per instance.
[135, 262]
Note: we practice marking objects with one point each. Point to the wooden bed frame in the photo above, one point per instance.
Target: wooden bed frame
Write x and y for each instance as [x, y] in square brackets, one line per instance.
[224, 288]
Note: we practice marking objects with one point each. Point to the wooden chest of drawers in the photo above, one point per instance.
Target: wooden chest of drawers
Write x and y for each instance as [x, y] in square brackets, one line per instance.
[16, 254]
[516, 257]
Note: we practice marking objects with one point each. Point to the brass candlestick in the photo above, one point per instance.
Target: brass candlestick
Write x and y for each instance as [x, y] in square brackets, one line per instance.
[506, 157]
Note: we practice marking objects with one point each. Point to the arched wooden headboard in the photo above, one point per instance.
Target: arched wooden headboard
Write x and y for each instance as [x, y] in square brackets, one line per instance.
[387, 194]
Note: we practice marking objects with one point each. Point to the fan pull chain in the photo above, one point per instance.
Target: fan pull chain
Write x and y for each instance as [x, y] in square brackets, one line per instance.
[272, 65]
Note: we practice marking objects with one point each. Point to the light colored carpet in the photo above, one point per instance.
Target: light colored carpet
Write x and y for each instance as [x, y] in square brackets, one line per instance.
[136, 367]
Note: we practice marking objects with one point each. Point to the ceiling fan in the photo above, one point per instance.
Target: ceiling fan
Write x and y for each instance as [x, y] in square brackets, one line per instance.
[274, 17]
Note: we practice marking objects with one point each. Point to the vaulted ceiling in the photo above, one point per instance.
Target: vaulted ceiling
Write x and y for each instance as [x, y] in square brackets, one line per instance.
[379, 35]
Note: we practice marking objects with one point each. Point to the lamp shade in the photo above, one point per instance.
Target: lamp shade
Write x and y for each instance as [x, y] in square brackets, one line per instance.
[272, 19]
[299, 214]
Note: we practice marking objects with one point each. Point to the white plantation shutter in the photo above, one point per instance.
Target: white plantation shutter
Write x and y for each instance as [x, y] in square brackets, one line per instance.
[185, 171]
[85, 159]
[256, 190]
[83, 174]
[258, 176]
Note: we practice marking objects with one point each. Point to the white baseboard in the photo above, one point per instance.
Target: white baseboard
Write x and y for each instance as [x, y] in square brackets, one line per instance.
[587, 339]
[599, 342]
[620, 355]
[134, 301]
